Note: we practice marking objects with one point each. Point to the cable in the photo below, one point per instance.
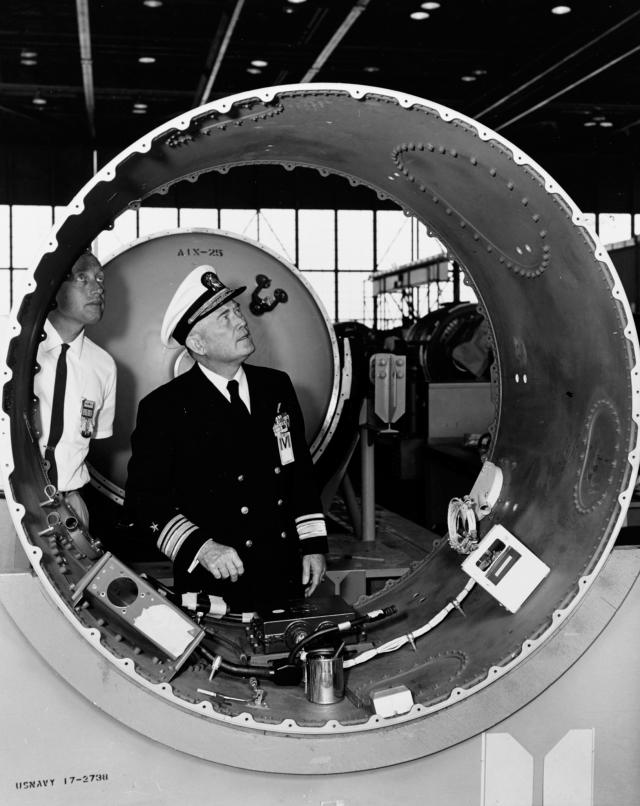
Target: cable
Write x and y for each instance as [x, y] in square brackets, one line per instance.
[344, 626]
[308, 639]
[409, 638]
[214, 635]
[231, 668]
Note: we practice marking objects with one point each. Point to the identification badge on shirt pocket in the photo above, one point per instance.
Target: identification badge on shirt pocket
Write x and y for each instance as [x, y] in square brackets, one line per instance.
[282, 433]
[87, 411]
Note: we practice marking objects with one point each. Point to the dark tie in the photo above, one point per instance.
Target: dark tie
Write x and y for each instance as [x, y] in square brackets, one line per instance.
[238, 408]
[57, 413]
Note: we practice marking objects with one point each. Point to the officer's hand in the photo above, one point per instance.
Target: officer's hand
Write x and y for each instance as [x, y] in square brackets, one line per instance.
[222, 561]
[313, 571]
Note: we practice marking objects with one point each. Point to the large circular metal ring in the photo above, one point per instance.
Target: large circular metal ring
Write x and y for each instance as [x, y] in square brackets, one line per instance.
[565, 383]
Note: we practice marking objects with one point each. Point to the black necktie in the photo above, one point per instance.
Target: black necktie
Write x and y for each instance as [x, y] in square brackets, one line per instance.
[238, 408]
[57, 413]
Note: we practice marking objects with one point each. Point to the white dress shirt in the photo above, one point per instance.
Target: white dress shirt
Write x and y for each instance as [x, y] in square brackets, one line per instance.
[89, 402]
[221, 382]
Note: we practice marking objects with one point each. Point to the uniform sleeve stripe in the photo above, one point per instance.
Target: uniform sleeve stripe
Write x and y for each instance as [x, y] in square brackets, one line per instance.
[178, 541]
[178, 534]
[174, 534]
[164, 534]
[314, 516]
[311, 527]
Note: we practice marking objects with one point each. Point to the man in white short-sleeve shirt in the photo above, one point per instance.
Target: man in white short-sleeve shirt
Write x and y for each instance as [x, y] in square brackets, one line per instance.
[88, 399]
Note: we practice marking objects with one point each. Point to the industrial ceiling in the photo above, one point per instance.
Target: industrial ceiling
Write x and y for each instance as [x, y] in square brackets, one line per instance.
[556, 82]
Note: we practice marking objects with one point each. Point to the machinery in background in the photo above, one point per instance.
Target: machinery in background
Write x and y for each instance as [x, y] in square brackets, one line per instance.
[443, 428]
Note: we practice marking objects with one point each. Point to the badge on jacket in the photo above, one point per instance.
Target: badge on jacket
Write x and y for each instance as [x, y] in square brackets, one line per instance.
[87, 411]
[281, 429]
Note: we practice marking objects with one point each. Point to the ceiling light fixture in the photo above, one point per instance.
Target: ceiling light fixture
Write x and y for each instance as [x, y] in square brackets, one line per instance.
[560, 10]
[38, 101]
[147, 59]
[296, 2]
[606, 124]
[152, 3]
[255, 71]
[28, 62]
[419, 15]
[28, 54]
[430, 6]
[139, 105]
[467, 78]
[589, 123]
[371, 68]
[479, 72]
[259, 63]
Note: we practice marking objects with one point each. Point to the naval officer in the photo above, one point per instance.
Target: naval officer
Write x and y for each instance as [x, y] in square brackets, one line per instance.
[220, 476]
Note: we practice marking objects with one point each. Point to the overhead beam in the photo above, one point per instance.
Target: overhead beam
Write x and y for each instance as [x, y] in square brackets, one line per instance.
[554, 67]
[335, 40]
[19, 90]
[15, 89]
[22, 115]
[568, 88]
[218, 50]
[631, 125]
[86, 62]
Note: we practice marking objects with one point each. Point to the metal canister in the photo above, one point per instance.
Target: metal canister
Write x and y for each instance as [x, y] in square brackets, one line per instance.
[324, 676]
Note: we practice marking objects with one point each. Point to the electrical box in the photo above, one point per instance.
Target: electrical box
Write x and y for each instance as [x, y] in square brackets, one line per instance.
[392, 701]
[388, 374]
[505, 568]
[137, 605]
[281, 629]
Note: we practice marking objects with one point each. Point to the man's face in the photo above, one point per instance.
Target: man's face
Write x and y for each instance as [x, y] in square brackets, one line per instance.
[81, 296]
[223, 336]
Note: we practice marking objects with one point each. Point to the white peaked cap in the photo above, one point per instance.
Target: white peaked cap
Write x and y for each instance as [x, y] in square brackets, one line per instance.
[199, 294]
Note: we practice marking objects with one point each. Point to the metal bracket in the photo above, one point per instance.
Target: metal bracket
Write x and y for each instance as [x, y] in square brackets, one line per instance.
[258, 305]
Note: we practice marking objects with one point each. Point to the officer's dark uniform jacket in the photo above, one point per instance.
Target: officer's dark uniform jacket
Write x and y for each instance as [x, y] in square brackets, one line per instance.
[194, 474]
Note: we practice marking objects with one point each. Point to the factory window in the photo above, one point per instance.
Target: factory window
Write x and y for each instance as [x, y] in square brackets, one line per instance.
[354, 297]
[324, 284]
[636, 224]
[152, 220]
[402, 239]
[277, 231]
[5, 251]
[125, 230]
[30, 226]
[614, 227]
[12, 288]
[243, 222]
[6, 295]
[208, 218]
[19, 280]
[316, 237]
[426, 246]
[355, 240]
[394, 241]
[367, 241]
